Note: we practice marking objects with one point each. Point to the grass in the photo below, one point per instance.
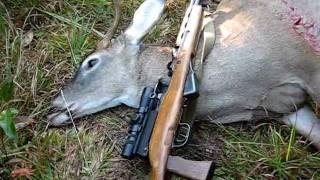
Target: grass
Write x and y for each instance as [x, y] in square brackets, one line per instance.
[64, 32]
[270, 155]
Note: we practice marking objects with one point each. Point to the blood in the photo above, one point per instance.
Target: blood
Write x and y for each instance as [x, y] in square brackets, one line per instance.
[306, 27]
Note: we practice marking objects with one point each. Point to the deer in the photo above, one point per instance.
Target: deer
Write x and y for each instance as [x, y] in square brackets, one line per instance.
[265, 64]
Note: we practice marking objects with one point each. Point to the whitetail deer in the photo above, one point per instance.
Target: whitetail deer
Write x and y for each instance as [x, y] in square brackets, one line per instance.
[264, 64]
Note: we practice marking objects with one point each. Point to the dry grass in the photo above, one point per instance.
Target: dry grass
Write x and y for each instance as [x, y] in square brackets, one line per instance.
[63, 35]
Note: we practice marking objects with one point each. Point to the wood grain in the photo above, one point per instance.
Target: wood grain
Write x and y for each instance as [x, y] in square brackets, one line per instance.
[197, 170]
[169, 114]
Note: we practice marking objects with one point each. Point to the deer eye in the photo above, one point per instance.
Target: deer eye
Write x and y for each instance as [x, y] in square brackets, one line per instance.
[91, 63]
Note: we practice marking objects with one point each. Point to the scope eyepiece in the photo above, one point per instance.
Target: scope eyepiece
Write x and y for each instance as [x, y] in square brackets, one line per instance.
[127, 151]
[129, 147]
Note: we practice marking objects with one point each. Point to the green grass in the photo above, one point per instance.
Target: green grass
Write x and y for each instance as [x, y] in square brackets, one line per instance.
[64, 33]
[268, 152]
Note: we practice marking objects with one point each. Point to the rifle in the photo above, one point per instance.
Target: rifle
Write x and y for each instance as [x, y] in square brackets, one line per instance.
[155, 129]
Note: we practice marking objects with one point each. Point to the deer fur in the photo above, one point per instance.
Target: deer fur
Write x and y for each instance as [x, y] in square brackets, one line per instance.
[259, 68]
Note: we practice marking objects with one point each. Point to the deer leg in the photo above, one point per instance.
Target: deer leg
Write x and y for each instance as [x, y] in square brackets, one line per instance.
[306, 123]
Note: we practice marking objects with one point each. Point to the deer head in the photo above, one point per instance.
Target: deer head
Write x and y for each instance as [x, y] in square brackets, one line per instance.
[105, 77]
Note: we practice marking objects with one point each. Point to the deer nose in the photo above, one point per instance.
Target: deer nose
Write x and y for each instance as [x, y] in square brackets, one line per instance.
[60, 104]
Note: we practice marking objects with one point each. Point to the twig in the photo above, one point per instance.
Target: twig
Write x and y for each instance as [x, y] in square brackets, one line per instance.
[13, 154]
[75, 127]
[10, 23]
[25, 20]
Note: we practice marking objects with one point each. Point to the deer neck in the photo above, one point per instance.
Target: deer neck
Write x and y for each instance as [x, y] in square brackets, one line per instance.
[151, 66]
[153, 62]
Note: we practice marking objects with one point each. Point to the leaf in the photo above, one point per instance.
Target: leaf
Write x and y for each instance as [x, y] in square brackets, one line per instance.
[23, 121]
[27, 38]
[6, 90]
[6, 122]
[22, 172]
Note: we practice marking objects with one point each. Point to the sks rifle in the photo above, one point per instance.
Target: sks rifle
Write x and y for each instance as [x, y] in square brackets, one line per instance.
[157, 127]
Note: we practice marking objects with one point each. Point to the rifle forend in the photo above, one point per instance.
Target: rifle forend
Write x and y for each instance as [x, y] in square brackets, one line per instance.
[170, 109]
[161, 108]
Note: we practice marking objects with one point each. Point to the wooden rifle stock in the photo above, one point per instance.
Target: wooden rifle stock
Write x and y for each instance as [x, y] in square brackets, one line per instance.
[170, 108]
[200, 170]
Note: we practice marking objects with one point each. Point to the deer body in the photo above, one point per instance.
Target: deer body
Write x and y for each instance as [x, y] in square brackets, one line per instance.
[259, 68]
[258, 64]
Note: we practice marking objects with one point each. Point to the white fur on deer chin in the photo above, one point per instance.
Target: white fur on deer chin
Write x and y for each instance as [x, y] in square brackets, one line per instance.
[59, 119]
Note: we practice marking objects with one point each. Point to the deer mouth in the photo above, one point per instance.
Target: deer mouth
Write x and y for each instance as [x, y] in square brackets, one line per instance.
[63, 113]
[59, 116]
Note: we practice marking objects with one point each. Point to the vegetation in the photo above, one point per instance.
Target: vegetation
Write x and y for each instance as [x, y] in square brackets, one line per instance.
[42, 43]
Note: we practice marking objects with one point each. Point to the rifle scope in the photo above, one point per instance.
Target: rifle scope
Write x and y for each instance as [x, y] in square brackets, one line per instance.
[137, 125]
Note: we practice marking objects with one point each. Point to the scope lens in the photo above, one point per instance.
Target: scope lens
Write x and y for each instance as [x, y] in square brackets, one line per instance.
[127, 151]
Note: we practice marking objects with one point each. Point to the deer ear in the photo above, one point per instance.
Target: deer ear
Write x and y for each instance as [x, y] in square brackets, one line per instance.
[145, 18]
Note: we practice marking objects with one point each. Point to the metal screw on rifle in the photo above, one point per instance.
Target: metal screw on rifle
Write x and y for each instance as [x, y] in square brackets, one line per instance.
[185, 103]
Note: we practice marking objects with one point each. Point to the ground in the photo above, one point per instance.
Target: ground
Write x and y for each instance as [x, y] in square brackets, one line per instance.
[42, 43]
